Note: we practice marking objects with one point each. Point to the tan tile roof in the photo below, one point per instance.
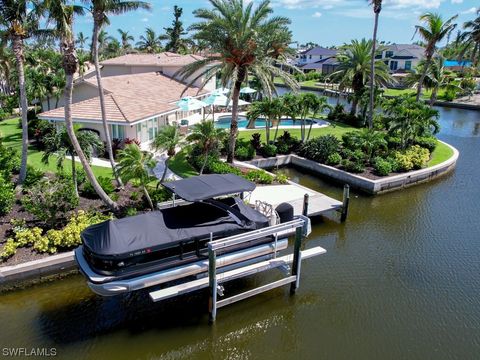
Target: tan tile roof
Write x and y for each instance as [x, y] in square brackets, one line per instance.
[161, 59]
[129, 98]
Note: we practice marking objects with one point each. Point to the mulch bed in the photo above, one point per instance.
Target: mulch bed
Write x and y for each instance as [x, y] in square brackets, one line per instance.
[28, 254]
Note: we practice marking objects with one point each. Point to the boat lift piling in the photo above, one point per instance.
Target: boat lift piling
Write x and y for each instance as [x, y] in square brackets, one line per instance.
[301, 226]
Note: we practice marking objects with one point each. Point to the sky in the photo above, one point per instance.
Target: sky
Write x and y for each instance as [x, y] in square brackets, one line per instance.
[326, 22]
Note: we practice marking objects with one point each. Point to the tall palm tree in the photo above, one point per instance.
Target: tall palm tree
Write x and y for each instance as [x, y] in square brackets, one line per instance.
[208, 137]
[471, 38]
[167, 139]
[6, 64]
[62, 15]
[101, 10]
[174, 33]
[150, 42]
[59, 144]
[20, 20]
[434, 31]
[317, 107]
[135, 164]
[125, 38]
[235, 32]
[81, 40]
[377, 8]
[354, 69]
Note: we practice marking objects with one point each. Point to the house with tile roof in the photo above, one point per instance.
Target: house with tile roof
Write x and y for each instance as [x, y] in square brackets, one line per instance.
[318, 59]
[141, 92]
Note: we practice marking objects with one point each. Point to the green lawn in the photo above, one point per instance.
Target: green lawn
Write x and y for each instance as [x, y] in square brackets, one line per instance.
[441, 153]
[337, 129]
[180, 166]
[11, 136]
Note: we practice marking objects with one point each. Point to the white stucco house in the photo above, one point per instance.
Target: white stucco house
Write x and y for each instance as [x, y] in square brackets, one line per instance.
[402, 57]
[140, 94]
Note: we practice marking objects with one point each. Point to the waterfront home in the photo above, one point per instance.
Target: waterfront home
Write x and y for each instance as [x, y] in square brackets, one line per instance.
[402, 57]
[314, 59]
[141, 92]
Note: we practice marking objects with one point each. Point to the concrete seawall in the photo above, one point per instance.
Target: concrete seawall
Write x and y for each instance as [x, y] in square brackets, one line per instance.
[379, 186]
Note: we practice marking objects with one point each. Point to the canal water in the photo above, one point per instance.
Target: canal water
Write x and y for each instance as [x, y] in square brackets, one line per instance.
[400, 280]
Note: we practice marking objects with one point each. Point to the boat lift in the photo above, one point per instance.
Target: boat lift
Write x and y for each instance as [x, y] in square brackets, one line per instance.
[219, 274]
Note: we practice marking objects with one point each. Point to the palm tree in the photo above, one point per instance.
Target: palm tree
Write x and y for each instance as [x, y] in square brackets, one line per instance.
[125, 39]
[150, 42]
[174, 34]
[208, 137]
[270, 109]
[377, 8]
[471, 38]
[167, 139]
[6, 64]
[135, 164]
[434, 31]
[354, 69]
[62, 14]
[58, 143]
[81, 40]
[101, 10]
[20, 19]
[317, 107]
[369, 140]
[236, 32]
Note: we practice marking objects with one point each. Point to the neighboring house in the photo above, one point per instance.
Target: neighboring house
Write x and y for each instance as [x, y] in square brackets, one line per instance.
[402, 57]
[140, 95]
[315, 54]
[325, 66]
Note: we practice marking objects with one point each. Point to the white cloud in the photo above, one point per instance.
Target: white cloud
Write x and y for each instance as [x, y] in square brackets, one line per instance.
[472, 10]
[354, 4]
[457, 1]
[145, 19]
[317, 14]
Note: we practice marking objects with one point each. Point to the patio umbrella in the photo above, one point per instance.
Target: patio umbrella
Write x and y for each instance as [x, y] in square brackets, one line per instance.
[247, 90]
[216, 99]
[189, 104]
[240, 103]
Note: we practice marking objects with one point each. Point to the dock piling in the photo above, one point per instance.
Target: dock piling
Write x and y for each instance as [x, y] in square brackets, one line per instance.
[306, 199]
[346, 202]
[296, 264]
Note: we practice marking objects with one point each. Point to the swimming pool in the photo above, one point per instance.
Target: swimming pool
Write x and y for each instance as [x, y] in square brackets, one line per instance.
[223, 122]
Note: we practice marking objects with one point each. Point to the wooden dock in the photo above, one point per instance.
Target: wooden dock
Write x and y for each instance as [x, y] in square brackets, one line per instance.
[292, 193]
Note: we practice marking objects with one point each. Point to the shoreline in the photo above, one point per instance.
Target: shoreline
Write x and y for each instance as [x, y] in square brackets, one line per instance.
[442, 103]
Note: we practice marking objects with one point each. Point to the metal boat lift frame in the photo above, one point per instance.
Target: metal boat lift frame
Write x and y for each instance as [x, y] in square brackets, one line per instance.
[300, 226]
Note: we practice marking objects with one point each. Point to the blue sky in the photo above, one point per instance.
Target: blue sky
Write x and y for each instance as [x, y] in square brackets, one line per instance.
[327, 22]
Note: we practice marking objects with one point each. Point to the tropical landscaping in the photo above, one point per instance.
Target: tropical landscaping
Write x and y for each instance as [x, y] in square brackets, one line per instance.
[49, 188]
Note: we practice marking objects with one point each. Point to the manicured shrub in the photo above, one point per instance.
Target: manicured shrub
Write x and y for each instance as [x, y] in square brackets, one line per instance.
[382, 167]
[256, 141]
[9, 249]
[427, 142]
[334, 159]
[414, 157]
[105, 182]
[69, 236]
[49, 200]
[320, 148]
[281, 179]
[7, 196]
[353, 166]
[134, 195]
[9, 162]
[394, 142]
[286, 143]
[244, 151]
[259, 177]
[24, 237]
[269, 150]
[131, 211]
[219, 167]
[351, 140]
[34, 175]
